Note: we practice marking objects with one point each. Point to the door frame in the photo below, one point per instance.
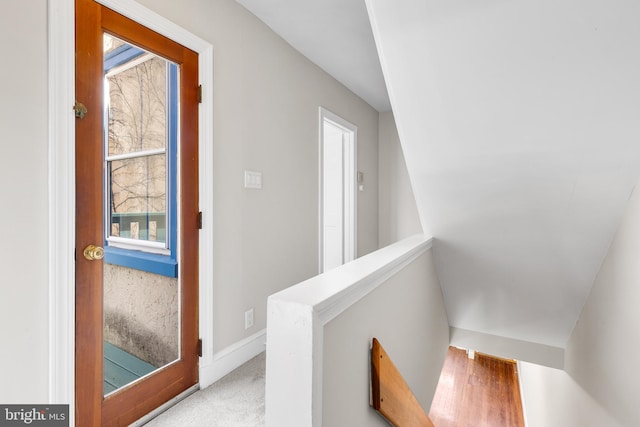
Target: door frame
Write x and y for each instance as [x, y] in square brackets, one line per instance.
[61, 263]
[350, 207]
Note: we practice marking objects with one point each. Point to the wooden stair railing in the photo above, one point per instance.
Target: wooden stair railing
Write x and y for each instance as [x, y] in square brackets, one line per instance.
[391, 396]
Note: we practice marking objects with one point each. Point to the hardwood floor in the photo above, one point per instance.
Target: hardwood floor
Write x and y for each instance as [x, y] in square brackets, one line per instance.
[477, 393]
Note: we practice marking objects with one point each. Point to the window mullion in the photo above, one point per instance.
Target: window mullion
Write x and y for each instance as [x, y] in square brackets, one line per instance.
[136, 154]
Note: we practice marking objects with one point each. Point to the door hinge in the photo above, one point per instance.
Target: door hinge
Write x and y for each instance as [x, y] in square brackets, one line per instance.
[199, 94]
[199, 347]
[199, 221]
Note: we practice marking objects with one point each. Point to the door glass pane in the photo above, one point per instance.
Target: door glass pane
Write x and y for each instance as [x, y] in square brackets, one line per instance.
[137, 100]
[141, 308]
[137, 198]
[141, 324]
[137, 91]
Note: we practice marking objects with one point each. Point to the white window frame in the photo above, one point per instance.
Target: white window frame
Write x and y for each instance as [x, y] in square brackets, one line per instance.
[158, 248]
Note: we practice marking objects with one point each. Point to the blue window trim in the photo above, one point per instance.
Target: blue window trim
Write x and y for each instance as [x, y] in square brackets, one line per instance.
[165, 265]
[121, 55]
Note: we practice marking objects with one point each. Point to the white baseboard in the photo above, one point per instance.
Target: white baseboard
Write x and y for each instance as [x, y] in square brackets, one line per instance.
[232, 357]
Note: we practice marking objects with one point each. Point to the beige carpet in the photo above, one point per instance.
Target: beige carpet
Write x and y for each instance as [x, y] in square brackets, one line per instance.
[235, 400]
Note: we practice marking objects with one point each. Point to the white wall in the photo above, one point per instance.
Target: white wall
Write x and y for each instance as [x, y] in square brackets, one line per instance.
[23, 195]
[320, 331]
[551, 398]
[397, 210]
[599, 387]
[406, 314]
[603, 348]
[266, 99]
[508, 348]
[519, 124]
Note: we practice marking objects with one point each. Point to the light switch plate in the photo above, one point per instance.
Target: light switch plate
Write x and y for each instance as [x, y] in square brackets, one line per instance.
[253, 180]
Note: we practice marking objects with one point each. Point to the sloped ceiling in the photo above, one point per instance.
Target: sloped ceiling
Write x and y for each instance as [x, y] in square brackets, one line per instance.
[520, 124]
[335, 35]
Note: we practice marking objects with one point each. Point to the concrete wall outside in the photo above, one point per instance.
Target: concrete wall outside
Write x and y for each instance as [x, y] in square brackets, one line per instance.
[141, 314]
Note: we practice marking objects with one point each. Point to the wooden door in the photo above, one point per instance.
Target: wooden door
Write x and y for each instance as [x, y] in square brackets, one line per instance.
[99, 224]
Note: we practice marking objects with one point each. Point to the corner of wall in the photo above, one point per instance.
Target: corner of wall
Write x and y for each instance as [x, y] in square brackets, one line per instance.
[606, 331]
[397, 209]
[230, 358]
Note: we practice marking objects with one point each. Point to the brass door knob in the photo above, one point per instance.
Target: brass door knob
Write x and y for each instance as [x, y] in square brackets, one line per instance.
[93, 252]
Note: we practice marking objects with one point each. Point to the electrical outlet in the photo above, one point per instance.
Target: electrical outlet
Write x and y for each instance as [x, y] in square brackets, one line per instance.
[248, 318]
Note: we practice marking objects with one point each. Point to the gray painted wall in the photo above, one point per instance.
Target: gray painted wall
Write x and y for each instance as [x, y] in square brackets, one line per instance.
[397, 210]
[23, 192]
[407, 315]
[265, 118]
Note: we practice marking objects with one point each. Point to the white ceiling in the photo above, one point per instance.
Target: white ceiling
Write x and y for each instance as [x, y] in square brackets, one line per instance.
[520, 123]
[335, 35]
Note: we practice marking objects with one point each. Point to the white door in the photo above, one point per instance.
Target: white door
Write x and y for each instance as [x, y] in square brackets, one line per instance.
[338, 181]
